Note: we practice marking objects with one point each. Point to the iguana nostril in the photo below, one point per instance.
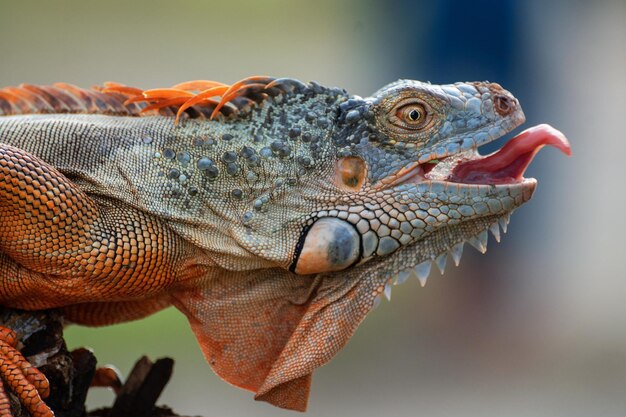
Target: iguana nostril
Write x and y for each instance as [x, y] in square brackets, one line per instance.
[330, 245]
[504, 105]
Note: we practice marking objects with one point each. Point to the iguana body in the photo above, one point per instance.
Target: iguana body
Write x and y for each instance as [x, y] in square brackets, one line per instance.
[274, 218]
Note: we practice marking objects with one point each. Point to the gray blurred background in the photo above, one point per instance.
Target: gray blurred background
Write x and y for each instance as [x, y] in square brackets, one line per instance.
[537, 327]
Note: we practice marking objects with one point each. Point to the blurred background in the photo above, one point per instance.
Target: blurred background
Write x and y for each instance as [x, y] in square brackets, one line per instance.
[537, 327]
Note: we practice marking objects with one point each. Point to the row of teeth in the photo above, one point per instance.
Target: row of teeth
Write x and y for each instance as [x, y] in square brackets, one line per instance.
[422, 271]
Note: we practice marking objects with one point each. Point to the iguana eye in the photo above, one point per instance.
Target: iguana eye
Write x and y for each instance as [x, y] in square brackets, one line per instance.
[410, 115]
[413, 114]
[329, 245]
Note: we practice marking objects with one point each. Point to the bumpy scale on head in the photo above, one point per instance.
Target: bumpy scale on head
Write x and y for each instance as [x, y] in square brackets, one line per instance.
[259, 174]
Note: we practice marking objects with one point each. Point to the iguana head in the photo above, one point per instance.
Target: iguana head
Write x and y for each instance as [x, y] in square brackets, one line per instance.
[337, 198]
[406, 168]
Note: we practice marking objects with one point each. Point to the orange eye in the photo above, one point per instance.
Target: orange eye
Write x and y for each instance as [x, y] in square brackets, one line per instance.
[412, 115]
[350, 173]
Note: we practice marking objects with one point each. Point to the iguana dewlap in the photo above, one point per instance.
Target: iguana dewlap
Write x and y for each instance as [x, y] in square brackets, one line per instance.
[274, 214]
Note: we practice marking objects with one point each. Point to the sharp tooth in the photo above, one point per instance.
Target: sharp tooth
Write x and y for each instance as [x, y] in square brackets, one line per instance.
[456, 251]
[495, 231]
[422, 270]
[503, 223]
[376, 302]
[403, 276]
[387, 291]
[475, 243]
[440, 261]
[480, 241]
[483, 237]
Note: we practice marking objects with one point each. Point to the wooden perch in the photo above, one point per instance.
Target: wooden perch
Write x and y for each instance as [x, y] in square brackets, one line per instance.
[71, 373]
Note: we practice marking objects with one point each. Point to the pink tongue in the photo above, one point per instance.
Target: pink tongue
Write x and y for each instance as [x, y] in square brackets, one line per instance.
[509, 163]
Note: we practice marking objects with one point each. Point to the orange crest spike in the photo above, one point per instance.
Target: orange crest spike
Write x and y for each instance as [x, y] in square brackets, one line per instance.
[166, 93]
[233, 95]
[17, 99]
[176, 101]
[107, 84]
[121, 89]
[199, 85]
[118, 99]
[240, 91]
[228, 94]
[205, 95]
[137, 99]
[24, 98]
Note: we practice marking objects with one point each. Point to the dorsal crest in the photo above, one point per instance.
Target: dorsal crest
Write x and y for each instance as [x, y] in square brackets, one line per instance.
[198, 99]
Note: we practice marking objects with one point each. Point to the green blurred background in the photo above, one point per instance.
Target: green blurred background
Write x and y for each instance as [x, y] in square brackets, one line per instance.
[537, 327]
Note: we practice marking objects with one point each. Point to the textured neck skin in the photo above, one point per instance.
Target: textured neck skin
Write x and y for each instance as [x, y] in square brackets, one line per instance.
[275, 229]
[214, 181]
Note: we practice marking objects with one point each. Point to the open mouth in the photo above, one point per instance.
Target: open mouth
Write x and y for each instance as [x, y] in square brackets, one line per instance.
[505, 166]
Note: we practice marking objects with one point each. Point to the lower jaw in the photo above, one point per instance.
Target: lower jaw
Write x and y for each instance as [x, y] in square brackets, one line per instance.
[445, 172]
[520, 191]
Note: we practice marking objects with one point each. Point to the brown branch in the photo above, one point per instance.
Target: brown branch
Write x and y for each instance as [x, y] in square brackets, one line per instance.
[71, 373]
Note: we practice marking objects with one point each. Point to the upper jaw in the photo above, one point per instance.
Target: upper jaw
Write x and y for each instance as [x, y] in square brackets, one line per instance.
[505, 166]
[441, 147]
[448, 152]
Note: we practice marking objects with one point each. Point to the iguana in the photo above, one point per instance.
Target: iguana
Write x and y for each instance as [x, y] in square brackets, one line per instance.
[273, 213]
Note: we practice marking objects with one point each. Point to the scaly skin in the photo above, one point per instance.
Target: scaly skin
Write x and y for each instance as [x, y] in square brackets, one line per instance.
[274, 222]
